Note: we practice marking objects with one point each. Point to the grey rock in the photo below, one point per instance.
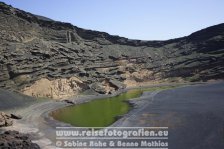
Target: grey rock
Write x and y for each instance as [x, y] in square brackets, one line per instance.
[116, 84]
[14, 116]
[16, 140]
[69, 102]
[98, 87]
[5, 120]
[34, 47]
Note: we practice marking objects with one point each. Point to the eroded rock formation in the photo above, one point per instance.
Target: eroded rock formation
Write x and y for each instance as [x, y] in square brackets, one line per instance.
[56, 89]
[39, 57]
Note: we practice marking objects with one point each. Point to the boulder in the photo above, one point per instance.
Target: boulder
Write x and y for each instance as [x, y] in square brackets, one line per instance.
[99, 88]
[69, 102]
[117, 84]
[5, 119]
[16, 140]
[14, 116]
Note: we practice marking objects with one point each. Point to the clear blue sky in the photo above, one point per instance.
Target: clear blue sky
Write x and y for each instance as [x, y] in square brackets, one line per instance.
[135, 19]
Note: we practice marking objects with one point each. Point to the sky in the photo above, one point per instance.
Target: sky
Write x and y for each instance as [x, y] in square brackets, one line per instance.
[134, 19]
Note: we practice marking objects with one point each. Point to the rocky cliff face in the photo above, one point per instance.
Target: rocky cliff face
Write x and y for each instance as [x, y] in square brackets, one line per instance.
[37, 51]
[57, 88]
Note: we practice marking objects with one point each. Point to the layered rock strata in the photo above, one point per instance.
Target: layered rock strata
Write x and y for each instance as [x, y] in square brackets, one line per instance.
[46, 58]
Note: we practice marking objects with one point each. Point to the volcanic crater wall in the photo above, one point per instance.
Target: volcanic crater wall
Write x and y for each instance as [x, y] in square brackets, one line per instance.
[37, 52]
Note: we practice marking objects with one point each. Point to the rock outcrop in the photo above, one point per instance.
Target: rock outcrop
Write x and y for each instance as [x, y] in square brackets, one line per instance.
[39, 57]
[5, 120]
[16, 140]
[56, 89]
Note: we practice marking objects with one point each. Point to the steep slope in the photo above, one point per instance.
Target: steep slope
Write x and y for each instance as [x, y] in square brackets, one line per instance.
[42, 57]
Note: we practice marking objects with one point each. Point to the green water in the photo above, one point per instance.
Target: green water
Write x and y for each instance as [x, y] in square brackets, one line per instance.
[97, 113]
[101, 112]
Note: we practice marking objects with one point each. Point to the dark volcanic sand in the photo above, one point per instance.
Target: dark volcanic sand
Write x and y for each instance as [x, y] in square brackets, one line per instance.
[10, 100]
[194, 115]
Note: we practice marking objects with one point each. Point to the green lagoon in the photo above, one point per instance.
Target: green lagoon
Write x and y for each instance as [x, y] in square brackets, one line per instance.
[100, 112]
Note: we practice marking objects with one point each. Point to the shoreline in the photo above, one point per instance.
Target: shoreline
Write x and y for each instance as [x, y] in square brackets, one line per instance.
[37, 121]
